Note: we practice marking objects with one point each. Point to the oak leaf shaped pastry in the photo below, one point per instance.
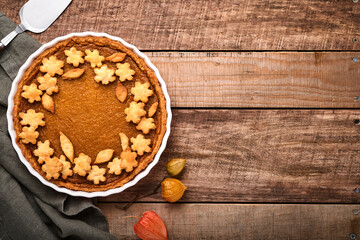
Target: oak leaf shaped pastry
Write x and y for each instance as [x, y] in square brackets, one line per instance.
[104, 156]
[121, 92]
[52, 168]
[142, 92]
[52, 66]
[124, 141]
[97, 174]
[31, 93]
[82, 164]
[32, 118]
[124, 72]
[116, 57]
[48, 84]
[104, 74]
[135, 111]
[146, 124]
[141, 144]
[66, 169]
[67, 147]
[74, 57]
[152, 109]
[48, 103]
[94, 58]
[73, 73]
[43, 151]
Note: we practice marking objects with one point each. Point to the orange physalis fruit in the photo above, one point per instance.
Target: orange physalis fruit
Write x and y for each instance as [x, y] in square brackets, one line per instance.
[150, 227]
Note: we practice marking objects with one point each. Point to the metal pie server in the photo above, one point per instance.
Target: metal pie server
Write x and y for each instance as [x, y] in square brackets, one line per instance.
[36, 16]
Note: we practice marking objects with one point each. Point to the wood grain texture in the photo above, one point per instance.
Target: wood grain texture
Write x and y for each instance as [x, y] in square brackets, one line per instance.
[212, 25]
[261, 156]
[241, 221]
[260, 79]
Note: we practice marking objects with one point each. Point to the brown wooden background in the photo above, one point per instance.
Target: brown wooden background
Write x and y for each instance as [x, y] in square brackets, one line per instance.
[266, 110]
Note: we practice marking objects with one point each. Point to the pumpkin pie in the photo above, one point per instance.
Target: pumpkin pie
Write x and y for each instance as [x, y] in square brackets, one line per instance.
[89, 114]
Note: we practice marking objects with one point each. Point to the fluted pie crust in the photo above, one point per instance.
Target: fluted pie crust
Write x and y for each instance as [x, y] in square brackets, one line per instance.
[89, 113]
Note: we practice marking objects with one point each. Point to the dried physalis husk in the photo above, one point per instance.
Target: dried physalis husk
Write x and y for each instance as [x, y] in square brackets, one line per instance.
[175, 166]
[48, 103]
[172, 189]
[73, 73]
[121, 92]
[150, 226]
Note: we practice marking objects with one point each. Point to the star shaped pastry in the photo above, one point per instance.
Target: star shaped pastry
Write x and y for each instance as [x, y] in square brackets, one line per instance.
[74, 57]
[52, 168]
[104, 74]
[48, 84]
[145, 125]
[134, 112]
[32, 118]
[94, 58]
[52, 66]
[29, 135]
[82, 164]
[142, 92]
[31, 93]
[124, 71]
[97, 174]
[43, 151]
[141, 144]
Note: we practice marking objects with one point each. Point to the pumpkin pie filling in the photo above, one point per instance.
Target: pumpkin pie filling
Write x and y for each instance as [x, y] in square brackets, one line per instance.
[89, 113]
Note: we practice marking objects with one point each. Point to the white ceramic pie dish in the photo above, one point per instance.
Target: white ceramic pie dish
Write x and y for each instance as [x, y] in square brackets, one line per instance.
[12, 131]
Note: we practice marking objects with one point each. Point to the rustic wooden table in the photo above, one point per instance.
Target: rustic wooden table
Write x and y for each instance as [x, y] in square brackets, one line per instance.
[265, 98]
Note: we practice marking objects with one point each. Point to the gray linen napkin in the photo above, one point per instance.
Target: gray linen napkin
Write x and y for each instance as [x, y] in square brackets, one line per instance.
[29, 209]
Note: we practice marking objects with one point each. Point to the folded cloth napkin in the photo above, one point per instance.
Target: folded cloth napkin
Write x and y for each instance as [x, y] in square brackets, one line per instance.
[29, 209]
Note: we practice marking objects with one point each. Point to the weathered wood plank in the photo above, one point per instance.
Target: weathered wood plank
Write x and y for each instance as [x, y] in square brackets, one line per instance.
[241, 221]
[262, 156]
[260, 79]
[212, 25]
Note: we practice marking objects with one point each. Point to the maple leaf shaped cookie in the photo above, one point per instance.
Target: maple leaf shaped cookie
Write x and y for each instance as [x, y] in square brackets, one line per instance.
[142, 92]
[94, 58]
[82, 164]
[32, 118]
[29, 135]
[97, 174]
[31, 93]
[48, 84]
[43, 151]
[52, 66]
[114, 166]
[52, 168]
[104, 74]
[66, 169]
[134, 112]
[146, 124]
[124, 72]
[74, 57]
[128, 160]
[140, 144]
